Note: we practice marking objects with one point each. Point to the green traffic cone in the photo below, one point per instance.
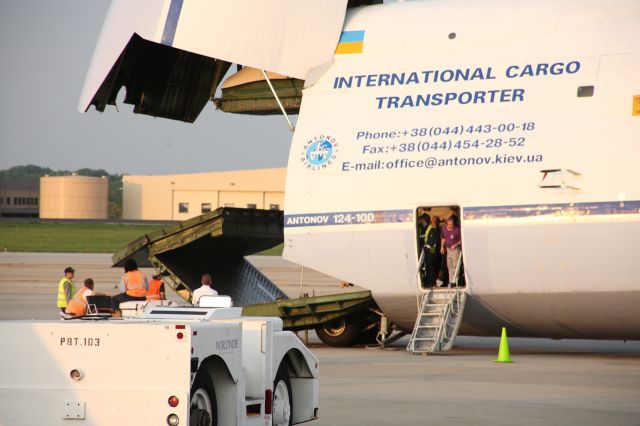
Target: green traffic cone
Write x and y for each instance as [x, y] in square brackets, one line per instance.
[503, 353]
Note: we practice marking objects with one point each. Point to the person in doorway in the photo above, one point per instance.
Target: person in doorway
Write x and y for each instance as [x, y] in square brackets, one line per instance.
[423, 226]
[156, 288]
[443, 272]
[133, 285]
[451, 241]
[204, 290]
[434, 258]
[77, 306]
[431, 251]
[429, 246]
[66, 289]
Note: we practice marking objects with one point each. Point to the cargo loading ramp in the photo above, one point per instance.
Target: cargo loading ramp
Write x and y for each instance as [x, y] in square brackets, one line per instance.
[217, 243]
[214, 243]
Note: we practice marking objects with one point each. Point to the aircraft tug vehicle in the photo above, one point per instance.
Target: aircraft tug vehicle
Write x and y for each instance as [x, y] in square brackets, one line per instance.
[171, 366]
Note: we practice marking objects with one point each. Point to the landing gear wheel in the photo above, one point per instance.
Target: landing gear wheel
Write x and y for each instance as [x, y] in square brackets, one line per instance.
[204, 411]
[282, 400]
[340, 332]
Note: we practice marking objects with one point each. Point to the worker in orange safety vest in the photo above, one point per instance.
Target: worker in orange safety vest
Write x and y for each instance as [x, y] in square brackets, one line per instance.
[156, 288]
[78, 305]
[133, 285]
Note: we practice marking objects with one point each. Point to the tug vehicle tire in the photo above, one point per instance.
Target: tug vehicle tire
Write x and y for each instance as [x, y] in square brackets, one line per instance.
[282, 405]
[204, 409]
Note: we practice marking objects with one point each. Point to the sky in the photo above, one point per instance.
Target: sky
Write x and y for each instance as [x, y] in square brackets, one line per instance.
[46, 47]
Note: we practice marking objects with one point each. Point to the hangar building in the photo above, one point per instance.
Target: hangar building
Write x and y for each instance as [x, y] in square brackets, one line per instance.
[180, 197]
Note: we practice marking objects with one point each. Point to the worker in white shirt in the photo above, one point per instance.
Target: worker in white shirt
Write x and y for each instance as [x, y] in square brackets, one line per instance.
[204, 290]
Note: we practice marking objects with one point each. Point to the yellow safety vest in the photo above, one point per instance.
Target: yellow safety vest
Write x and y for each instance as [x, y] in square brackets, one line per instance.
[62, 296]
[432, 250]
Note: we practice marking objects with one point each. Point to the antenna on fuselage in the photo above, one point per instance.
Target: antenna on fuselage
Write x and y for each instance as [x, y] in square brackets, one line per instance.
[275, 95]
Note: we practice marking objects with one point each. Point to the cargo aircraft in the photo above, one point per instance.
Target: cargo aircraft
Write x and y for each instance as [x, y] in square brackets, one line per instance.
[523, 117]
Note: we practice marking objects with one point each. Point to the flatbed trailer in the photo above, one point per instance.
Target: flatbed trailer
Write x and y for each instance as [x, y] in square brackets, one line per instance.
[173, 366]
[310, 312]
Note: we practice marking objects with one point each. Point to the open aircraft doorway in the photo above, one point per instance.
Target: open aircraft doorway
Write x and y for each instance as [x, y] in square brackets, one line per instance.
[439, 246]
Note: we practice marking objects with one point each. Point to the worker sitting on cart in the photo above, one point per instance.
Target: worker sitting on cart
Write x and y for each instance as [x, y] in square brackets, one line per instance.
[78, 305]
[204, 290]
[133, 286]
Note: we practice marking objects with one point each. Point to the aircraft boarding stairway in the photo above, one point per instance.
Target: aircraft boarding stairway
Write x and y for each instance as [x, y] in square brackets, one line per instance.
[438, 319]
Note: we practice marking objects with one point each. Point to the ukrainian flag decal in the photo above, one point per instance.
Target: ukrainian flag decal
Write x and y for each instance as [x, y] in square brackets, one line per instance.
[350, 42]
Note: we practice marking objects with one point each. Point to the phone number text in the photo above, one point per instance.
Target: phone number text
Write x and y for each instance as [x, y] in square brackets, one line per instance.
[431, 131]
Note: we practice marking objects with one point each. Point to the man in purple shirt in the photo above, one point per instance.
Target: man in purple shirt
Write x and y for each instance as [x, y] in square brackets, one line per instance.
[451, 240]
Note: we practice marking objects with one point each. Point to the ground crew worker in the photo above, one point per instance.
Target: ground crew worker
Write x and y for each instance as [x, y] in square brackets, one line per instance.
[423, 223]
[422, 226]
[204, 290]
[431, 251]
[66, 289]
[133, 285]
[430, 245]
[78, 305]
[156, 288]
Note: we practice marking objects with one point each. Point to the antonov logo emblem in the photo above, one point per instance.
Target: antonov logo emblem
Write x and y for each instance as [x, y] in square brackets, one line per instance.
[319, 152]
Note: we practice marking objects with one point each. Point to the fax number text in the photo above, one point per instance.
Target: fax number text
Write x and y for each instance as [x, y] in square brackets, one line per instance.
[446, 145]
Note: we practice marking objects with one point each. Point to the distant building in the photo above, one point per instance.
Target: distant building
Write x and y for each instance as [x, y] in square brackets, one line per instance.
[19, 197]
[74, 197]
[180, 197]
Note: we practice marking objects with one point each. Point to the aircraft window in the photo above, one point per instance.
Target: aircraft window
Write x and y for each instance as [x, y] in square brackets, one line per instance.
[252, 206]
[585, 91]
[206, 208]
[452, 36]
[229, 205]
[274, 206]
[183, 207]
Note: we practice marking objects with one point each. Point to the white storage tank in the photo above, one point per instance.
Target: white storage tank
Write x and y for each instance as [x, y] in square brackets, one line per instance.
[74, 197]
